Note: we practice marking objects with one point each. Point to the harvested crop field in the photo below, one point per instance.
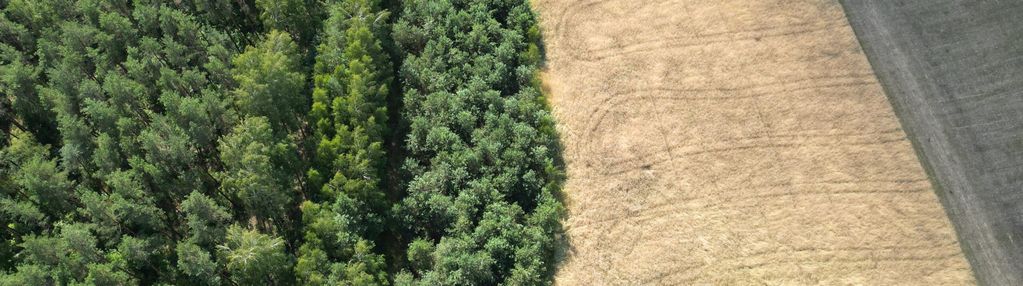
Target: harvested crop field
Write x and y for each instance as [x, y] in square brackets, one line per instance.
[734, 142]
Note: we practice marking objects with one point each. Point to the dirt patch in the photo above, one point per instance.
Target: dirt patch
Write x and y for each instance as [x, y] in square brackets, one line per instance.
[734, 142]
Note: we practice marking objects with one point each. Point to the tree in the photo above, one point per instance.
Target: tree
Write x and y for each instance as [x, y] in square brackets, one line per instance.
[21, 103]
[365, 268]
[349, 115]
[420, 255]
[112, 114]
[40, 181]
[67, 256]
[249, 174]
[124, 209]
[106, 274]
[167, 158]
[335, 250]
[207, 224]
[253, 258]
[172, 143]
[206, 220]
[270, 83]
[197, 264]
[480, 150]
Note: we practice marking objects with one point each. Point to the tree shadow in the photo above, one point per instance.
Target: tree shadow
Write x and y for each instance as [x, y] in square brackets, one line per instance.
[562, 248]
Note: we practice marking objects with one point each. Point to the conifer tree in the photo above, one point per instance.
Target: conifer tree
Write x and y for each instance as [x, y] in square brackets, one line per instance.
[349, 115]
[210, 142]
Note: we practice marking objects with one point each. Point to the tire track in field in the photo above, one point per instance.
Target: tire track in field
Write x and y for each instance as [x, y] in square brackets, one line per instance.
[652, 163]
[691, 275]
[796, 135]
[615, 100]
[745, 197]
[701, 40]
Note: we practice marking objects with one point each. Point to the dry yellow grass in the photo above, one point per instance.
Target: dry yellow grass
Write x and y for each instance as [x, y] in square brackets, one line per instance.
[734, 142]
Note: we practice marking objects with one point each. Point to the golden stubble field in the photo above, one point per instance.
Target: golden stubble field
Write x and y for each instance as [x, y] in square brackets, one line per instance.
[734, 142]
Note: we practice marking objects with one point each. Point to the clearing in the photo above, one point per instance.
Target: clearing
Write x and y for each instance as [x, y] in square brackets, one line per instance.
[734, 142]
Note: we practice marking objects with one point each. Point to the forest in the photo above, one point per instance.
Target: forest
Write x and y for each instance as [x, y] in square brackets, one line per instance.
[276, 142]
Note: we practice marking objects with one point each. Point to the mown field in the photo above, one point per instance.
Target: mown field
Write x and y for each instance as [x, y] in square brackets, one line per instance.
[734, 142]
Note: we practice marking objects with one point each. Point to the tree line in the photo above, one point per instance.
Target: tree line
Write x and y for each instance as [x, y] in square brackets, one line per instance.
[278, 142]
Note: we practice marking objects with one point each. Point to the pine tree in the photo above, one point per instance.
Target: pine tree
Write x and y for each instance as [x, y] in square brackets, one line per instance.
[176, 143]
[349, 115]
[249, 174]
[253, 258]
[270, 83]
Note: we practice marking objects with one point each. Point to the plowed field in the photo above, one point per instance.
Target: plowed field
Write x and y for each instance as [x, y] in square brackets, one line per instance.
[734, 142]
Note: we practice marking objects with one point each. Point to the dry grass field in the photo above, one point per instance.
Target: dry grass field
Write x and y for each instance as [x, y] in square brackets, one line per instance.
[734, 142]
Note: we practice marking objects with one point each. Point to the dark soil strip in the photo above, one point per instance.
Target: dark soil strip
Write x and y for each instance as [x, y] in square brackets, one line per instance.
[953, 70]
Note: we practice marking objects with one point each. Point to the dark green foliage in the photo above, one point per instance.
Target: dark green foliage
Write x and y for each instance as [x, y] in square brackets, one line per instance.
[207, 227]
[17, 80]
[207, 222]
[481, 150]
[300, 18]
[195, 263]
[253, 142]
[113, 113]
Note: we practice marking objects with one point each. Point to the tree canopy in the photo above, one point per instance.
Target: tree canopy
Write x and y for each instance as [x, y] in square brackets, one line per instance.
[277, 142]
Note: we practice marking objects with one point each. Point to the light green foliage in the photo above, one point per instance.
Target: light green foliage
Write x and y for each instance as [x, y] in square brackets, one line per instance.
[365, 268]
[420, 255]
[249, 174]
[349, 115]
[45, 185]
[106, 274]
[167, 157]
[334, 250]
[124, 209]
[270, 83]
[253, 258]
[37, 181]
[27, 274]
[66, 256]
